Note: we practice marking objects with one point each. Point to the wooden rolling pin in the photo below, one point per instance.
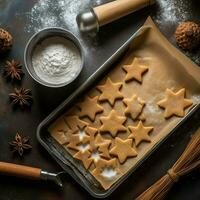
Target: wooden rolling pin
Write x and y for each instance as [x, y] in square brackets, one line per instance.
[109, 12]
[114, 10]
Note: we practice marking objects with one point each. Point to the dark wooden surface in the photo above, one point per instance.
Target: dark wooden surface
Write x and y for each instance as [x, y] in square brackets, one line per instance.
[45, 100]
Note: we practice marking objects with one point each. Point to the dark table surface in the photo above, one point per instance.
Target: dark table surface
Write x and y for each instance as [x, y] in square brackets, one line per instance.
[15, 16]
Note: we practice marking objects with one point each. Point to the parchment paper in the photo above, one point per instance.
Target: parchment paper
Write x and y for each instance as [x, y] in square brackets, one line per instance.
[168, 68]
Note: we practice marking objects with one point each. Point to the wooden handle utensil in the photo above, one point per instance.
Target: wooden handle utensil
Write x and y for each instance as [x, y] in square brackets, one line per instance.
[20, 170]
[90, 21]
[29, 172]
[114, 10]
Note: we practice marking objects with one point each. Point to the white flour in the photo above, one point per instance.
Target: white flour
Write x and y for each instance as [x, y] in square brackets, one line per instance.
[56, 60]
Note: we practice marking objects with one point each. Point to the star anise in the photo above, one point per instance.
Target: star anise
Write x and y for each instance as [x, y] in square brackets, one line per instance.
[13, 70]
[20, 144]
[21, 97]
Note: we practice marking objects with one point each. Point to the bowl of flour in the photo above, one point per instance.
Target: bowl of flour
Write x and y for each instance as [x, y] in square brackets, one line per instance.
[54, 57]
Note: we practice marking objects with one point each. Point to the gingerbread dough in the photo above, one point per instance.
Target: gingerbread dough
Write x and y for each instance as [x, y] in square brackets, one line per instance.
[113, 123]
[84, 156]
[175, 103]
[60, 131]
[123, 149]
[91, 132]
[103, 164]
[103, 146]
[76, 140]
[135, 70]
[134, 106]
[110, 91]
[75, 123]
[140, 133]
[90, 107]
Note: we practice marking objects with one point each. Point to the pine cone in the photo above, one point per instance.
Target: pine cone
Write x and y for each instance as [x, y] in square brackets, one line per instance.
[6, 41]
[188, 35]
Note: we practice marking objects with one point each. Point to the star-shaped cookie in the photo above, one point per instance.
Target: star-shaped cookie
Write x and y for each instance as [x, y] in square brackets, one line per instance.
[103, 146]
[90, 107]
[91, 132]
[140, 133]
[84, 156]
[123, 149]
[103, 164]
[75, 140]
[113, 123]
[110, 91]
[135, 70]
[75, 123]
[134, 106]
[175, 103]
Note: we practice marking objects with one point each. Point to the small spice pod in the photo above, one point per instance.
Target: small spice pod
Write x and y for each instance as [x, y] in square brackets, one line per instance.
[13, 70]
[20, 144]
[21, 97]
[6, 41]
[188, 35]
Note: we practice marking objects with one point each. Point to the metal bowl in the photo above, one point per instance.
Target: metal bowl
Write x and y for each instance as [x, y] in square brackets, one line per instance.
[38, 38]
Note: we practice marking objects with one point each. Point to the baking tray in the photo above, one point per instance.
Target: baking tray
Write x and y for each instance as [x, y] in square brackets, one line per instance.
[64, 158]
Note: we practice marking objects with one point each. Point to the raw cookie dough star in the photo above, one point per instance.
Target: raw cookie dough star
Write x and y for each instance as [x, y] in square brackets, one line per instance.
[113, 123]
[140, 133]
[90, 107]
[123, 149]
[75, 140]
[134, 106]
[91, 132]
[84, 156]
[110, 91]
[103, 146]
[135, 70]
[75, 123]
[103, 164]
[175, 103]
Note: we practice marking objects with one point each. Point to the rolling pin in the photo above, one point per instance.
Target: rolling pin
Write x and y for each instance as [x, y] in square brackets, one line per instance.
[96, 17]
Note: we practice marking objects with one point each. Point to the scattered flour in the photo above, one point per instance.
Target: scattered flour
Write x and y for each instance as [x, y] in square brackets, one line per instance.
[45, 13]
[172, 11]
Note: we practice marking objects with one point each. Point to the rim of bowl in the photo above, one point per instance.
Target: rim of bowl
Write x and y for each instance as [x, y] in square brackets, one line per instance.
[67, 35]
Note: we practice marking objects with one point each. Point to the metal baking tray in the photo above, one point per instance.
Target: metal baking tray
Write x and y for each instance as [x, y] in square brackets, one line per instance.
[64, 159]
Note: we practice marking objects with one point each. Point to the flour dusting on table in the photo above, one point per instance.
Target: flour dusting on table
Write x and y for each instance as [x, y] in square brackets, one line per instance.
[172, 11]
[48, 13]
